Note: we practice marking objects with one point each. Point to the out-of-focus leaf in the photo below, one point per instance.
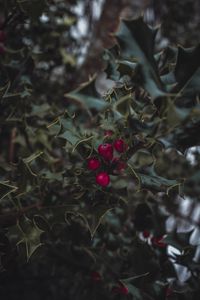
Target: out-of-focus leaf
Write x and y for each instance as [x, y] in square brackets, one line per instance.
[176, 115]
[134, 291]
[6, 189]
[86, 96]
[51, 177]
[67, 58]
[179, 240]
[70, 136]
[4, 90]
[28, 160]
[29, 234]
[34, 8]
[187, 65]
[92, 215]
[40, 110]
[192, 87]
[136, 41]
[151, 180]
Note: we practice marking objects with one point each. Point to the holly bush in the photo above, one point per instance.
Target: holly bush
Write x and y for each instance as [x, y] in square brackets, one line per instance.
[90, 176]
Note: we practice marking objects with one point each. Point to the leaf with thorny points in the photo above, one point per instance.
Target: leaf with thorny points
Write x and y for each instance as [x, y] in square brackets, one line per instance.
[151, 180]
[136, 41]
[93, 216]
[29, 234]
[87, 98]
[187, 65]
[6, 189]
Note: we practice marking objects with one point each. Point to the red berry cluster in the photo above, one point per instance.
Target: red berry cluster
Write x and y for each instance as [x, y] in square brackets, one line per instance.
[2, 41]
[106, 160]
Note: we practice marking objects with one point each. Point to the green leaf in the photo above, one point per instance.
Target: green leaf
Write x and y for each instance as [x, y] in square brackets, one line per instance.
[175, 115]
[34, 8]
[112, 67]
[29, 234]
[70, 136]
[192, 87]
[134, 291]
[32, 157]
[86, 97]
[153, 181]
[52, 176]
[93, 216]
[28, 160]
[136, 41]
[4, 89]
[67, 58]
[40, 110]
[131, 279]
[6, 189]
[179, 240]
[187, 64]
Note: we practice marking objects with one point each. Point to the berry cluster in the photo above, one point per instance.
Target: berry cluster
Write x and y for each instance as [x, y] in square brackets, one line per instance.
[106, 163]
[2, 41]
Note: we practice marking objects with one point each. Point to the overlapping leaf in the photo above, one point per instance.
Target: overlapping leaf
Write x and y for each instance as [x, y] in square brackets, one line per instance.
[136, 41]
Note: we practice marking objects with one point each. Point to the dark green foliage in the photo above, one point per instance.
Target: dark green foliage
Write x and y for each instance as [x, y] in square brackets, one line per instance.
[57, 225]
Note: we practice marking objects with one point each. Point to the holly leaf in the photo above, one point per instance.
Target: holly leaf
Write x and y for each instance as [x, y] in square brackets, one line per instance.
[112, 66]
[70, 136]
[179, 240]
[92, 215]
[4, 89]
[134, 291]
[136, 41]
[52, 176]
[87, 98]
[34, 8]
[30, 159]
[6, 189]
[187, 64]
[192, 86]
[183, 137]
[151, 180]
[29, 234]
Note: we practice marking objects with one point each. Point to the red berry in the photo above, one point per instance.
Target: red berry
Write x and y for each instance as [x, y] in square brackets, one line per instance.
[93, 164]
[120, 146]
[146, 234]
[106, 151]
[96, 276]
[108, 133]
[121, 289]
[103, 179]
[2, 36]
[157, 241]
[118, 164]
[168, 292]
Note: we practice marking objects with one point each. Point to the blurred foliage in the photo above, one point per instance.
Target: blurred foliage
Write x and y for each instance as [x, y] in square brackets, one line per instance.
[63, 236]
[180, 20]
